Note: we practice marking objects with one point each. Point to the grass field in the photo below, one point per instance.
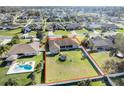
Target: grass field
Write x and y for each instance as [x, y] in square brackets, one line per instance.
[62, 32]
[101, 57]
[120, 30]
[77, 68]
[24, 41]
[21, 79]
[10, 32]
[81, 31]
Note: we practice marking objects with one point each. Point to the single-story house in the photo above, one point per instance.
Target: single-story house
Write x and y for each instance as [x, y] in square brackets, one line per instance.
[62, 44]
[109, 27]
[99, 43]
[73, 26]
[94, 26]
[26, 29]
[25, 49]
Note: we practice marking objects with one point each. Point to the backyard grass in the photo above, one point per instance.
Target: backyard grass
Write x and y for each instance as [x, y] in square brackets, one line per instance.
[62, 32]
[10, 32]
[24, 41]
[102, 57]
[21, 79]
[32, 33]
[37, 60]
[72, 68]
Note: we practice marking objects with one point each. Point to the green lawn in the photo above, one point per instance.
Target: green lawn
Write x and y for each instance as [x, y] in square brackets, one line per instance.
[81, 31]
[120, 30]
[22, 79]
[24, 41]
[98, 83]
[62, 32]
[77, 68]
[101, 57]
[10, 32]
[33, 33]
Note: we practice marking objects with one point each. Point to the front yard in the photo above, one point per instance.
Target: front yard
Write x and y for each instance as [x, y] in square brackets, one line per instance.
[22, 79]
[74, 67]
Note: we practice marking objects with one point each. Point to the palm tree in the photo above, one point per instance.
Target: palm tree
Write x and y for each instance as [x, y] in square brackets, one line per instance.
[4, 49]
[15, 40]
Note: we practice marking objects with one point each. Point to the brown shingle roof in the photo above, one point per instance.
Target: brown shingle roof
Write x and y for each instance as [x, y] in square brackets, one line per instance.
[21, 48]
[53, 44]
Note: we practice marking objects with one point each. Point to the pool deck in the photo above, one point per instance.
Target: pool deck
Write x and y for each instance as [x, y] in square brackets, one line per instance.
[12, 69]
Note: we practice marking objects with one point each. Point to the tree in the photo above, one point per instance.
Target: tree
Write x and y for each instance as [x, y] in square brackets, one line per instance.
[65, 36]
[113, 51]
[15, 40]
[119, 42]
[110, 66]
[4, 49]
[38, 67]
[11, 82]
[33, 78]
[84, 83]
[39, 35]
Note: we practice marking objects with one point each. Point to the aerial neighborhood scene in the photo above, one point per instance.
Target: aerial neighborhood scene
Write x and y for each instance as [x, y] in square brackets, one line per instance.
[61, 46]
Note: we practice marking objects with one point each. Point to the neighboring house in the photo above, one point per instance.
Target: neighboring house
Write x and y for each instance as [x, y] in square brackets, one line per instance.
[109, 27]
[26, 29]
[62, 44]
[99, 43]
[25, 49]
[9, 27]
[73, 26]
[94, 26]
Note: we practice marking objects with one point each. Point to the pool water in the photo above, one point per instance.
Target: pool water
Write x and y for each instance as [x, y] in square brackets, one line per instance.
[24, 67]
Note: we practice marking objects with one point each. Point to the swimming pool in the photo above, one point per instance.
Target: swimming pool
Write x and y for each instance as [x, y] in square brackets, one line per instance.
[21, 67]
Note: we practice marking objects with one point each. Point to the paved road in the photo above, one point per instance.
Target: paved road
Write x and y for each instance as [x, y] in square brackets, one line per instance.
[5, 37]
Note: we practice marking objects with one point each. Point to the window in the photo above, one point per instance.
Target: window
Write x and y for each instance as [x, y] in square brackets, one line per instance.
[69, 46]
[62, 46]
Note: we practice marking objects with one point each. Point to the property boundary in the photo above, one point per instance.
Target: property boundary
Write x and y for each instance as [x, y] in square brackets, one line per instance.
[61, 80]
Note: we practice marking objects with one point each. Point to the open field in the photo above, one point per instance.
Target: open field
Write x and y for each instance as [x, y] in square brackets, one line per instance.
[81, 31]
[72, 68]
[10, 32]
[61, 32]
[120, 30]
[21, 79]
